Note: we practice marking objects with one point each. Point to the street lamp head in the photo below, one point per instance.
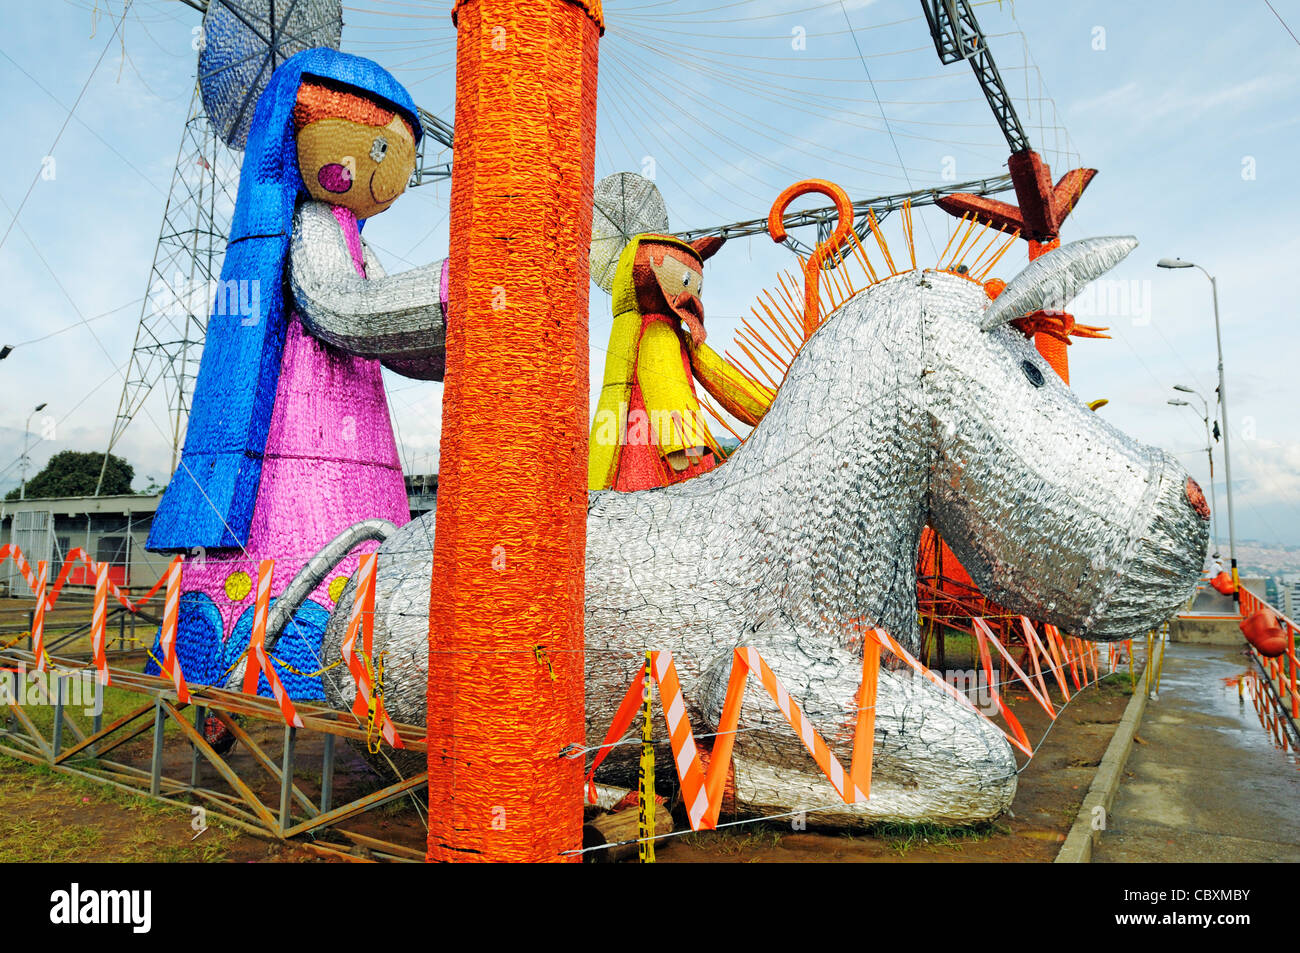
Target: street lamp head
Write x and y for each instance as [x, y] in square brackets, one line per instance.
[1174, 263]
[6, 351]
[1173, 402]
[1184, 388]
[39, 407]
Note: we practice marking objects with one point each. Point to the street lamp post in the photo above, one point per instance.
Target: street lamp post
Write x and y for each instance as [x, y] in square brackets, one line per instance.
[1223, 413]
[1209, 452]
[27, 432]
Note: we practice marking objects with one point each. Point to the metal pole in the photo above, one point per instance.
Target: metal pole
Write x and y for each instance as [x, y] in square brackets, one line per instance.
[58, 716]
[155, 768]
[98, 722]
[286, 776]
[1214, 500]
[327, 775]
[1164, 646]
[27, 432]
[1209, 452]
[200, 718]
[1227, 456]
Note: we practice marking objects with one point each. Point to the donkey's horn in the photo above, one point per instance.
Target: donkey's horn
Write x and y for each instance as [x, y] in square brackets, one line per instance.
[1052, 280]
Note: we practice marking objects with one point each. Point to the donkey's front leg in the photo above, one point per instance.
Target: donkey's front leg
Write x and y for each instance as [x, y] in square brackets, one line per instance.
[934, 759]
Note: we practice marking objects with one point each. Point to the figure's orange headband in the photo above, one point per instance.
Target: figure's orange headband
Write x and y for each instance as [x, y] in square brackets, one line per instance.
[317, 101]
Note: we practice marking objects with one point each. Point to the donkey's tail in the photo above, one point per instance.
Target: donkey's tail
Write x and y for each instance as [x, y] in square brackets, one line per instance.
[318, 568]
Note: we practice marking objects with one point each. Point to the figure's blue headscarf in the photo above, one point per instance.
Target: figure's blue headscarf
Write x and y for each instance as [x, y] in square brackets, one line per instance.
[209, 502]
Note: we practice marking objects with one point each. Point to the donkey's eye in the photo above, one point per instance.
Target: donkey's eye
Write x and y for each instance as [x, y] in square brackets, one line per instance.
[1032, 373]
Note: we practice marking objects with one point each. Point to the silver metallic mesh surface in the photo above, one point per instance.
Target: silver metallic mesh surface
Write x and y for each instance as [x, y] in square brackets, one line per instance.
[899, 410]
[624, 205]
[395, 318]
[244, 41]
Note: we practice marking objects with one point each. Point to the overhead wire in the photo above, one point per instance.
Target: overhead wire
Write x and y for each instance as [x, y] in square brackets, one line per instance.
[67, 119]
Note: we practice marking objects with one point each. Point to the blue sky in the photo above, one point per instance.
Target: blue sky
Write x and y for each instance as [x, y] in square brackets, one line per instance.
[1188, 110]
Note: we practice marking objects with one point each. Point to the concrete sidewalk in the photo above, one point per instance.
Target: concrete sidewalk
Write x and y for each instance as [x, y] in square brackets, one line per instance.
[1208, 785]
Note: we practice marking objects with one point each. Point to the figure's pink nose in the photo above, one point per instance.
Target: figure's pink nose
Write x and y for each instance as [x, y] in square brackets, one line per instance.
[1197, 499]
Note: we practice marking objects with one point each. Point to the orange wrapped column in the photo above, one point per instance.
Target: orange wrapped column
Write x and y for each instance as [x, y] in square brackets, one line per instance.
[505, 612]
[1053, 349]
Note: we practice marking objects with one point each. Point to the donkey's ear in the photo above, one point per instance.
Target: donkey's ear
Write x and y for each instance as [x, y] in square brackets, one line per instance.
[1053, 279]
[707, 246]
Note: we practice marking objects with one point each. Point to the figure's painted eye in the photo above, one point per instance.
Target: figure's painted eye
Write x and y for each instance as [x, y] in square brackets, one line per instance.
[379, 149]
[686, 279]
[1032, 373]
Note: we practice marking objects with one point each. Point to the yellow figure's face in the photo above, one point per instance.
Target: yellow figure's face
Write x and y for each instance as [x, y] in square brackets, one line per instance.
[669, 281]
[363, 168]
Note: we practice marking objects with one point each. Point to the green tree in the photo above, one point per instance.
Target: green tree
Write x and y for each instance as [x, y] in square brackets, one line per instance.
[75, 474]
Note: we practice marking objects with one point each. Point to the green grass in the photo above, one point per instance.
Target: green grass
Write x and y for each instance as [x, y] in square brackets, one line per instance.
[904, 837]
[1117, 683]
[736, 840]
[38, 822]
[899, 837]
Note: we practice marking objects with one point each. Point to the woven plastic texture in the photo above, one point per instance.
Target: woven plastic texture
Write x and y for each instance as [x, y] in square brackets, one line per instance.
[209, 502]
[505, 612]
[244, 42]
[899, 410]
[289, 441]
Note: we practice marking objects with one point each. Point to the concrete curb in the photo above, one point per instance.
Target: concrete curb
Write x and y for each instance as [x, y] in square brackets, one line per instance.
[1078, 845]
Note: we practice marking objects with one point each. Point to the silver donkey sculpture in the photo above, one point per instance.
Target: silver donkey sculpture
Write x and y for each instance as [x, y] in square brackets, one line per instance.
[912, 403]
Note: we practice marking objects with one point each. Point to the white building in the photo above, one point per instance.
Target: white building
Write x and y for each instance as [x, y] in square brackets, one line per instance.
[1288, 593]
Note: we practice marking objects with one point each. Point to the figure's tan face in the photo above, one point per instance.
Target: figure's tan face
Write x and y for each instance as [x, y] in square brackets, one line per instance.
[363, 168]
[680, 278]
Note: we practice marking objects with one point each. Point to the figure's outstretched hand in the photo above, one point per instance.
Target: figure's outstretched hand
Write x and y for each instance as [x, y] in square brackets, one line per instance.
[680, 460]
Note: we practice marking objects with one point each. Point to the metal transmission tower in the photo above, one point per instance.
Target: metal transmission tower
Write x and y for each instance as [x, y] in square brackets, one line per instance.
[187, 263]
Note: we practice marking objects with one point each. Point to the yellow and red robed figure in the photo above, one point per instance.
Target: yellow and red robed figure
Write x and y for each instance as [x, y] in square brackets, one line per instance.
[648, 430]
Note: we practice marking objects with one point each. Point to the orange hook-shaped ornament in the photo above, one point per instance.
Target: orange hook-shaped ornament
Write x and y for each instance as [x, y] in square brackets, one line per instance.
[813, 266]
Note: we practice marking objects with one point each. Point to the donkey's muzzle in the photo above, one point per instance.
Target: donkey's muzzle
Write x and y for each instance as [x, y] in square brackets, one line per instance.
[1197, 499]
[1163, 557]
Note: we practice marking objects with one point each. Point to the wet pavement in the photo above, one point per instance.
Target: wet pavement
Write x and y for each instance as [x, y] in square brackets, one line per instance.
[1208, 784]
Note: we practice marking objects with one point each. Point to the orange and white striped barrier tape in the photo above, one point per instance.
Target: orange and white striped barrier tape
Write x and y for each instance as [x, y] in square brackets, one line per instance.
[38, 615]
[99, 624]
[1037, 647]
[169, 663]
[74, 556]
[702, 790]
[1068, 659]
[982, 632]
[368, 708]
[1016, 736]
[1058, 657]
[135, 606]
[1031, 653]
[9, 551]
[257, 663]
